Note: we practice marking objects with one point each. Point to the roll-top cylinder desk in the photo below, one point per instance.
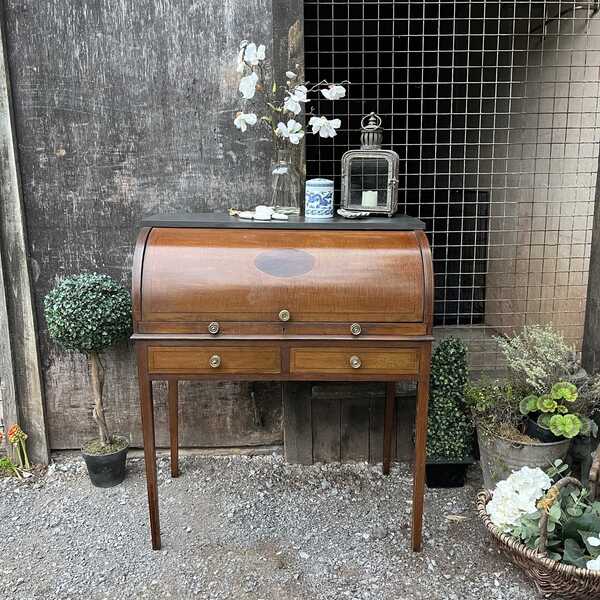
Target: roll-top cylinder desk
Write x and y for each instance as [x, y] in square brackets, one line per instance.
[218, 298]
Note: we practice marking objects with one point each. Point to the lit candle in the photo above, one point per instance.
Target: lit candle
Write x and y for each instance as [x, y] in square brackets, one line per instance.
[369, 198]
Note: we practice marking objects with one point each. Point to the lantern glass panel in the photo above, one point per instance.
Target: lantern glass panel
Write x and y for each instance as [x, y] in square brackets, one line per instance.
[369, 183]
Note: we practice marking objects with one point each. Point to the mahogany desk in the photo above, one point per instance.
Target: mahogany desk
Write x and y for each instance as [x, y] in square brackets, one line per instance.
[217, 298]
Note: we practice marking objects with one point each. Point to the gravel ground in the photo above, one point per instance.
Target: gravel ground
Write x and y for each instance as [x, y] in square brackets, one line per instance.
[246, 528]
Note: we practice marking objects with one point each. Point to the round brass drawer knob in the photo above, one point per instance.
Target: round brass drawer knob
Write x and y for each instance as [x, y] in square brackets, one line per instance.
[213, 327]
[355, 362]
[215, 361]
[284, 315]
[355, 329]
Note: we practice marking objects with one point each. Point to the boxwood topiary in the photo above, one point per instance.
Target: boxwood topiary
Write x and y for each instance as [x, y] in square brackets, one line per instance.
[450, 429]
[88, 313]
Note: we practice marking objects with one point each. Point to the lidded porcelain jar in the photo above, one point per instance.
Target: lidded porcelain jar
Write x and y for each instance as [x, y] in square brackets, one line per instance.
[319, 199]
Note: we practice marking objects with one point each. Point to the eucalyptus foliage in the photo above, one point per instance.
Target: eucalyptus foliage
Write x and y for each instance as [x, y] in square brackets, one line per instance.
[88, 312]
[450, 433]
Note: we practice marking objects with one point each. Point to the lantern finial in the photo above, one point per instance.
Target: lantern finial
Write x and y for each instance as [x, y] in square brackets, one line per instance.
[372, 133]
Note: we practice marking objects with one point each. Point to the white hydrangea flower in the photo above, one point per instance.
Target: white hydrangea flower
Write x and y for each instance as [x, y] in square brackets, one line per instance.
[293, 100]
[248, 85]
[530, 478]
[242, 120]
[334, 92]
[324, 127]
[292, 131]
[517, 496]
[593, 565]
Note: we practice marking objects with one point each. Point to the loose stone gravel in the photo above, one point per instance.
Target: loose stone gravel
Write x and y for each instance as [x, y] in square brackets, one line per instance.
[246, 528]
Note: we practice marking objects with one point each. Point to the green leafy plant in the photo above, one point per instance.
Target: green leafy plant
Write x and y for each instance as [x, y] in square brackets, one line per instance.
[554, 388]
[450, 433]
[8, 467]
[89, 313]
[545, 403]
[528, 404]
[549, 414]
[496, 407]
[564, 391]
[565, 425]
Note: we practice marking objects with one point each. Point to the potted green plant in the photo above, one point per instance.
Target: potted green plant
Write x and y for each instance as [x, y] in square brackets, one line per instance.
[450, 430]
[89, 313]
[531, 417]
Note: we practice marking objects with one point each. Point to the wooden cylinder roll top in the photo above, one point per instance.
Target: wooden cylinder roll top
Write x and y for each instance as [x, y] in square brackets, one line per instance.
[261, 281]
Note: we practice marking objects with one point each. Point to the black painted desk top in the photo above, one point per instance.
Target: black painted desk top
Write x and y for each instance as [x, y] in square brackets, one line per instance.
[224, 220]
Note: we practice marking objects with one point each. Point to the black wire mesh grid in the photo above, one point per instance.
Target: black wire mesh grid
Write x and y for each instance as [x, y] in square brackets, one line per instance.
[493, 109]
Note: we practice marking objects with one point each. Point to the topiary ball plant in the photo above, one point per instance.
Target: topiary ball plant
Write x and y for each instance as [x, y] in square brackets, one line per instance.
[89, 313]
[450, 429]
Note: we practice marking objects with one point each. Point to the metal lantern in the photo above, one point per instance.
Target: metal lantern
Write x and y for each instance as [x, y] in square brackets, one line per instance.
[370, 175]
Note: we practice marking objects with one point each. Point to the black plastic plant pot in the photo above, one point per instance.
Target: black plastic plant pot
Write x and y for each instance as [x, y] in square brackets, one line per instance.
[106, 470]
[441, 474]
[543, 434]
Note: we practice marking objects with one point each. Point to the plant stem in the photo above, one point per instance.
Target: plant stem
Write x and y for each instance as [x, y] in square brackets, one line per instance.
[97, 372]
[26, 457]
[17, 451]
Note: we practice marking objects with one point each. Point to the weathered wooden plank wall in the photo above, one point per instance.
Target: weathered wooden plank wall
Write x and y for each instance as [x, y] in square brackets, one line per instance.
[331, 422]
[21, 391]
[124, 108]
[591, 331]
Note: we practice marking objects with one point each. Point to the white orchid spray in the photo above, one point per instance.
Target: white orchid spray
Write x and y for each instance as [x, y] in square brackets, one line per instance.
[280, 104]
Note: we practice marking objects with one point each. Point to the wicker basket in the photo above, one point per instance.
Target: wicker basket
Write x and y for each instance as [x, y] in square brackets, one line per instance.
[552, 578]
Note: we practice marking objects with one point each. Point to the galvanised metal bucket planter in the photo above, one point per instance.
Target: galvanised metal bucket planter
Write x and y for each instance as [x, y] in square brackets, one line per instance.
[501, 456]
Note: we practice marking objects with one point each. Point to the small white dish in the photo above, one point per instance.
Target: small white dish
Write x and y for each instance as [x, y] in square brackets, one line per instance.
[350, 214]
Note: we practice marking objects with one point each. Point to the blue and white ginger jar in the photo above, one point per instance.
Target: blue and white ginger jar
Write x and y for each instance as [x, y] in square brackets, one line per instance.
[319, 199]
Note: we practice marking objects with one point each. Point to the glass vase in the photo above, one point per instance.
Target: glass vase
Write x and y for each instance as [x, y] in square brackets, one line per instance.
[286, 185]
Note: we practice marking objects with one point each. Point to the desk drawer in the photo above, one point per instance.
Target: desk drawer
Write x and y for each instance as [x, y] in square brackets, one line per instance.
[213, 359]
[354, 360]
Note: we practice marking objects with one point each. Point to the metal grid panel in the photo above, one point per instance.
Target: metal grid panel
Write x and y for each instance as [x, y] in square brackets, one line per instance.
[493, 109]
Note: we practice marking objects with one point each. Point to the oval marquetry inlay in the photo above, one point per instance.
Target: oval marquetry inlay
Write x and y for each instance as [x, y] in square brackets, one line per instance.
[285, 262]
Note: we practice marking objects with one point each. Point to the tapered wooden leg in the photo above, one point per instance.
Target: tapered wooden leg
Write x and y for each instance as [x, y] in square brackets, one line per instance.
[147, 407]
[420, 449]
[389, 422]
[174, 427]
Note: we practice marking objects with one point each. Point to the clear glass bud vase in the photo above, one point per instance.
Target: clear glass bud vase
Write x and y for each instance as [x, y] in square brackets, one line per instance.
[286, 184]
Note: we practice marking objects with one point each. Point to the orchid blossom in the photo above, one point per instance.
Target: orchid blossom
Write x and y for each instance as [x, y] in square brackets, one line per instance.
[292, 131]
[253, 55]
[248, 85]
[334, 92]
[326, 128]
[278, 99]
[243, 120]
[298, 96]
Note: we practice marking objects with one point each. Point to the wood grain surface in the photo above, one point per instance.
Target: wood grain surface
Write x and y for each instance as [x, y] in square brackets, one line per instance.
[124, 108]
[250, 275]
